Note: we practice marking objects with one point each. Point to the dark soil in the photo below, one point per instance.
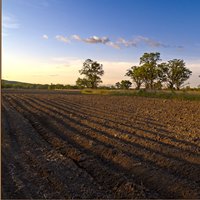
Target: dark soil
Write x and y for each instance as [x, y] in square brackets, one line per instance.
[67, 145]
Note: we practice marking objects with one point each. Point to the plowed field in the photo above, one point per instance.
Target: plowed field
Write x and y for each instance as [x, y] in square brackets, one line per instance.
[65, 145]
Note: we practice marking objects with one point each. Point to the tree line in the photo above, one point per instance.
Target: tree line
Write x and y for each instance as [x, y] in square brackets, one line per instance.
[151, 73]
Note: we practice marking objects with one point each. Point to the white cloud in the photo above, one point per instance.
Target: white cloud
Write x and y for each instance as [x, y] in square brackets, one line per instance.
[92, 39]
[114, 45]
[137, 40]
[95, 39]
[120, 43]
[62, 39]
[150, 42]
[76, 37]
[45, 37]
[126, 43]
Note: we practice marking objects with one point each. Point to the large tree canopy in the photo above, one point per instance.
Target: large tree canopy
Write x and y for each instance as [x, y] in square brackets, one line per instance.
[153, 75]
[150, 58]
[135, 73]
[176, 73]
[149, 68]
[93, 72]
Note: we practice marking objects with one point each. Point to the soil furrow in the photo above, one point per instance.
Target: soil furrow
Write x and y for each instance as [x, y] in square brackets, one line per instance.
[114, 139]
[58, 145]
[128, 130]
[53, 182]
[132, 121]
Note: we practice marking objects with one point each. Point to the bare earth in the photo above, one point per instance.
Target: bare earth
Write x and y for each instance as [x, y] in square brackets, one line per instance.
[68, 145]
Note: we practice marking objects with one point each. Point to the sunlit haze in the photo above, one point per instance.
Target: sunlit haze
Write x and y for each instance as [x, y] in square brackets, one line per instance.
[47, 41]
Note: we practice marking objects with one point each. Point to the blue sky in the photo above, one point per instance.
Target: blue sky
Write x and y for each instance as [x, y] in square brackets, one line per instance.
[46, 41]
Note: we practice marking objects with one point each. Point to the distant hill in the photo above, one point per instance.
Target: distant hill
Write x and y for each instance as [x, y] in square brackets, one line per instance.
[23, 85]
[12, 82]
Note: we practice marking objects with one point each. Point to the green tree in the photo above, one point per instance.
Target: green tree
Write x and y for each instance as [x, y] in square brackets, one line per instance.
[149, 68]
[118, 85]
[150, 58]
[93, 72]
[83, 83]
[177, 73]
[51, 87]
[124, 84]
[162, 70]
[162, 75]
[136, 74]
[157, 85]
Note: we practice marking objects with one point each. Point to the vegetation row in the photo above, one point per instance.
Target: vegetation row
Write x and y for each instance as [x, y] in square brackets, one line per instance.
[149, 74]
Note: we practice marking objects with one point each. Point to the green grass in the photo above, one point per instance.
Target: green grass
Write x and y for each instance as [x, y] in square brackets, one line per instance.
[96, 91]
[162, 94]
